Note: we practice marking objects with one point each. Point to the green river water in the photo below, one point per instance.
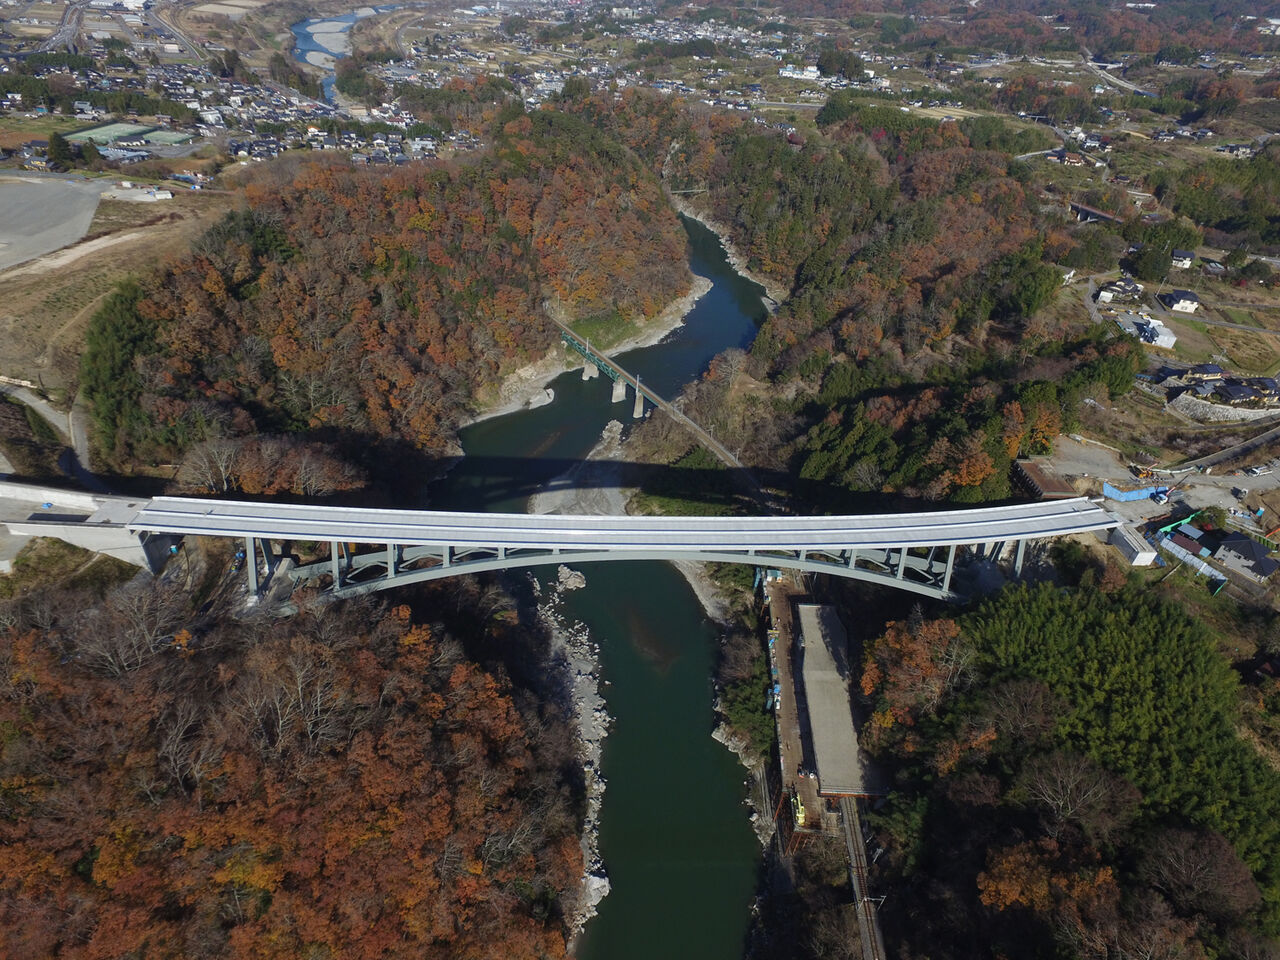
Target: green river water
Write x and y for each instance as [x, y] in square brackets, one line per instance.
[674, 835]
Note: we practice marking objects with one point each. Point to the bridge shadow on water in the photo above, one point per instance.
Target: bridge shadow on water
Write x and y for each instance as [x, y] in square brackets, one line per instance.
[482, 483]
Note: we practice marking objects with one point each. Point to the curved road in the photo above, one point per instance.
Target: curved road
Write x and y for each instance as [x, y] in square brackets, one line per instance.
[72, 428]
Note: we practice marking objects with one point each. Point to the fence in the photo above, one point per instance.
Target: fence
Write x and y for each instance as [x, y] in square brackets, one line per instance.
[1127, 496]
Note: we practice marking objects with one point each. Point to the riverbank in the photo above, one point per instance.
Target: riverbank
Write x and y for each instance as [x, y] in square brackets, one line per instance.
[775, 293]
[526, 387]
[599, 485]
[576, 658]
[656, 646]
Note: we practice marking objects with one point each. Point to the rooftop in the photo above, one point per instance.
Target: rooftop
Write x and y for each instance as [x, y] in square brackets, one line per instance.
[826, 689]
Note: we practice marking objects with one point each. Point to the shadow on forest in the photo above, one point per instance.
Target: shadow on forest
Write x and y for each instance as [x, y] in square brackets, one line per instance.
[406, 479]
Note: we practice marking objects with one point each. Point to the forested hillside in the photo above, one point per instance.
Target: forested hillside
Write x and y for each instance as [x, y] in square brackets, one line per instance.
[913, 355]
[381, 305]
[1069, 781]
[339, 784]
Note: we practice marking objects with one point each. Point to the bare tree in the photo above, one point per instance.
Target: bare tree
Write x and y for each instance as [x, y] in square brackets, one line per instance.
[1024, 710]
[1154, 933]
[210, 466]
[129, 627]
[1074, 789]
[1200, 873]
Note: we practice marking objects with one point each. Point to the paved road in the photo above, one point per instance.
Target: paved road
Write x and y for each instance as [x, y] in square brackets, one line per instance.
[803, 104]
[232, 518]
[1110, 78]
[55, 418]
[68, 27]
[73, 429]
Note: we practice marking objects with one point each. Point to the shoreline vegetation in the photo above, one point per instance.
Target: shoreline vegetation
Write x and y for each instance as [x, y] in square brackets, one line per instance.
[775, 293]
[529, 385]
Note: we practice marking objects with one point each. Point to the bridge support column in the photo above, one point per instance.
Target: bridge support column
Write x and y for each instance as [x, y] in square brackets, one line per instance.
[637, 412]
[619, 390]
[391, 559]
[590, 370]
[251, 564]
[951, 562]
[1018, 557]
[334, 565]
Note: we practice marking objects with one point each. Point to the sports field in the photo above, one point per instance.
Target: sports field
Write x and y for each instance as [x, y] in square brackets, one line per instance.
[108, 133]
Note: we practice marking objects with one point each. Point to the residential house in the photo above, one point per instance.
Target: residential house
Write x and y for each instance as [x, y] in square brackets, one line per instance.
[1235, 393]
[1152, 331]
[1183, 301]
[1119, 290]
[1192, 547]
[1245, 555]
[1202, 372]
[1182, 259]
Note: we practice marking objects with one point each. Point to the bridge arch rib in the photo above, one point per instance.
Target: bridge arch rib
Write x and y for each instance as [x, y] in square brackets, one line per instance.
[929, 575]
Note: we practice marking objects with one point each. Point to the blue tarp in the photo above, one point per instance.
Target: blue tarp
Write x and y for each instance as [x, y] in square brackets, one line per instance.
[1127, 496]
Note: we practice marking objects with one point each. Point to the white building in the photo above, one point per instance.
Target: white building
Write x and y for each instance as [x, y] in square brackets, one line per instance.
[1152, 331]
[1132, 547]
[1184, 301]
[799, 73]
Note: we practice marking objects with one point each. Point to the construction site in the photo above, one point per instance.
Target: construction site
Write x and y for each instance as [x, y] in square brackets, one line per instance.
[822, 775]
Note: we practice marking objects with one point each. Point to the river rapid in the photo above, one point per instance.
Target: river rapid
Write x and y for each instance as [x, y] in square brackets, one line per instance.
[674, 831]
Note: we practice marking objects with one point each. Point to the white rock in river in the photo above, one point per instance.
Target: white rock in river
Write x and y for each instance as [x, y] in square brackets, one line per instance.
[570, 579]
[597, 888]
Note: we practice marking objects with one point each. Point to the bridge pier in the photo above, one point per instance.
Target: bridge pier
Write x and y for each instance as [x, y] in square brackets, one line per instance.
[589, 371]
[251, 563]
[258, 584]
[637, 411]
[619, 390]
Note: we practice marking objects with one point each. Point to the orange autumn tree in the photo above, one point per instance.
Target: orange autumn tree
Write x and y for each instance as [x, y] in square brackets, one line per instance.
[909, 669]
[335, 785]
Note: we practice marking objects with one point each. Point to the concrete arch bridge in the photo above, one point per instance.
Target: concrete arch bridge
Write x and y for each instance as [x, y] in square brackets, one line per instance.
[372, 549]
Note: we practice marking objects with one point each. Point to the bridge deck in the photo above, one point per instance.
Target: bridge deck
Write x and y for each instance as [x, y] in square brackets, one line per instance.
[617, 534]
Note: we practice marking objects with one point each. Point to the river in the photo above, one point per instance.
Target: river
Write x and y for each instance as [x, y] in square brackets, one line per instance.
[322, 42]
[675, 837]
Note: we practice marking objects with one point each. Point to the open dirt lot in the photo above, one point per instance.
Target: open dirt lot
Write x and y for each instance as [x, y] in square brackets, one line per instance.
[40, 215]
[46, 303]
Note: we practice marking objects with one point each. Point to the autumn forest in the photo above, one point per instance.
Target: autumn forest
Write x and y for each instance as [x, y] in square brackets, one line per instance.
[364, 780]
